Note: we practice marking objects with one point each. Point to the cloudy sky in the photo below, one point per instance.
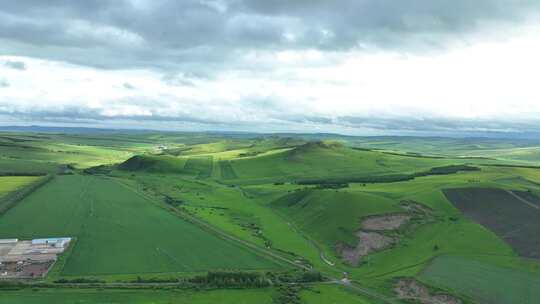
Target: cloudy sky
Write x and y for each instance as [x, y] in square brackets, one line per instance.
[348, 66]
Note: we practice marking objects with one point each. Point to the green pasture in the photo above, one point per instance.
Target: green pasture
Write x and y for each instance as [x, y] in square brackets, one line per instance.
[499, 280]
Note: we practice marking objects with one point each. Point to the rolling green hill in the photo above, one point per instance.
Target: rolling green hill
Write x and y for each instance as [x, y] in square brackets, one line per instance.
[329, 216]
[326, 160]
[154, 164]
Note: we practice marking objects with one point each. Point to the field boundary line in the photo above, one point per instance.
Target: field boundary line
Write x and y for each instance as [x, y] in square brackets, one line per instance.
[216, 231]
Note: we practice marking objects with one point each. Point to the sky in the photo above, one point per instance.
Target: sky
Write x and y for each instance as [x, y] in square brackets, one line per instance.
[357, 67]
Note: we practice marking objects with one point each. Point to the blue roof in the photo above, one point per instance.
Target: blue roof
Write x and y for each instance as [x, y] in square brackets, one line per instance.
[51, 240]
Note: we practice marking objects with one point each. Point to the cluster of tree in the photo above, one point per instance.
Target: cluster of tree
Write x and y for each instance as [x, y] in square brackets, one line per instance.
[390, 178]
[288, 294]
[79, 281]
[310, 276]
[332, 186]
[98, 170]
[157, 280]
[247, 154]
[451, 169]
[22, 174]
[173, 201]
[363, 179]
[232, 279]
[11, 285]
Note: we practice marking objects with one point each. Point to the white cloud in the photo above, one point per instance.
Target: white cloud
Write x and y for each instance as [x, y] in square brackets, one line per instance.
[484, 80]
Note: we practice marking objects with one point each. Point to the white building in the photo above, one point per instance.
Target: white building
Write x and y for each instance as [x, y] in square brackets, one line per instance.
[8, 241]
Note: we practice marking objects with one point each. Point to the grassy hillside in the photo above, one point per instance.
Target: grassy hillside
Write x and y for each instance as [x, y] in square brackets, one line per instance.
[154, 164]
[486, 282]
[290, 197]
[326, 160]
[330, 216]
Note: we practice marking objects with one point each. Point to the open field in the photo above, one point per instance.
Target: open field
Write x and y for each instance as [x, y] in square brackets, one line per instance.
[301, 200]
[486, 282]
[119, 232]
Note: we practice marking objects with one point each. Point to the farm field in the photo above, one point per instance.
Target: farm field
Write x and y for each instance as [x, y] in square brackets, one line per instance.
[486, 282]
[155, 207]
[329, 294]
[509, 215]
[119, 232]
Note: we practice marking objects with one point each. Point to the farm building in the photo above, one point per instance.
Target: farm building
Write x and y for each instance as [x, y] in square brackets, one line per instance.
[8, 241]
[29, 259]
[53, 242]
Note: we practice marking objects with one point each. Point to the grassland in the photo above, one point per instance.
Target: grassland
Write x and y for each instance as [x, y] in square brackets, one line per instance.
[486, 282]
[253, 188]
[325, 160]
[119, 232]
[331, 216]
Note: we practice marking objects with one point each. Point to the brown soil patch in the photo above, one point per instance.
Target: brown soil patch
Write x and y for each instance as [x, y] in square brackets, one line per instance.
[368, 242]
[410, 289]
[385, 222]
[378, 232]
[415, 207]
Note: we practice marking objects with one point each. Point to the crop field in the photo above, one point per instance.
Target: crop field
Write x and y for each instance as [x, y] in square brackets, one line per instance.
[163, 205]
[509, 215]
[119, 232]
[485, 283]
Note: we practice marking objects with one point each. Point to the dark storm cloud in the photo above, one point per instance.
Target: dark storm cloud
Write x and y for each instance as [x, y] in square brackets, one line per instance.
[201, 34]
[16, 65]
